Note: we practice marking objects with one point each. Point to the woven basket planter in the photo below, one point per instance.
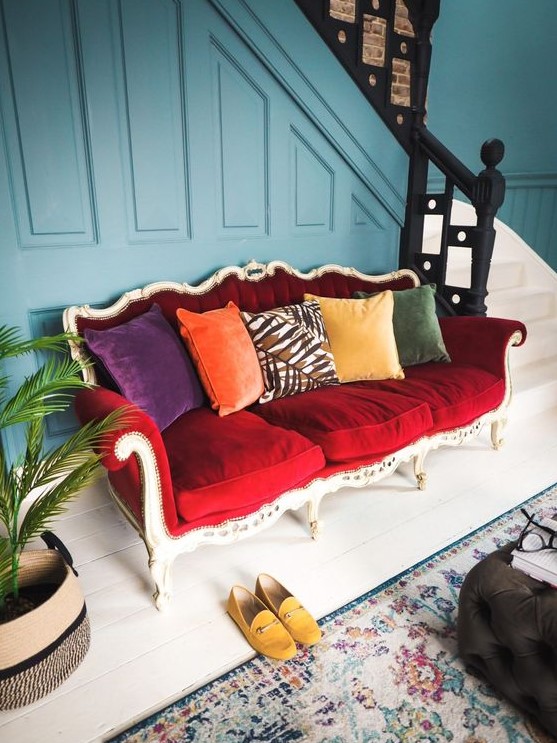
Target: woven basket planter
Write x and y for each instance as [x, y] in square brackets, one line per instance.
[40, 649]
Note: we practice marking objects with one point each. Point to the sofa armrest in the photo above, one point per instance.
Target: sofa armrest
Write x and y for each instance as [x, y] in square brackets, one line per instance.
[482, 341]
[97, 402]
[143, 482]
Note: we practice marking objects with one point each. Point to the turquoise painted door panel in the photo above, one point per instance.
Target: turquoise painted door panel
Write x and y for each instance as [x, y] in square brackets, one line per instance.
[156, 139]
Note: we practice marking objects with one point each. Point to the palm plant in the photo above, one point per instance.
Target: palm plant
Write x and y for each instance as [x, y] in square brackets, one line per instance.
[54, 476]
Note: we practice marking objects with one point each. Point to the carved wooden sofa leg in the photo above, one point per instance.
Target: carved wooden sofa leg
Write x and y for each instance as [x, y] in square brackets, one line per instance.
[313, 520]
[161, 572]
[419, 471]
[497, 428]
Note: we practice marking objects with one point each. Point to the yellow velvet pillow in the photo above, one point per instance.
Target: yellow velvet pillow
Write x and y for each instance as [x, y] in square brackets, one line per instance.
[224, 357]
[361, 336]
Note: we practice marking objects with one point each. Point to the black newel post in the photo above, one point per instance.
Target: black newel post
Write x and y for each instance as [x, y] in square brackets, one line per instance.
[487, 196]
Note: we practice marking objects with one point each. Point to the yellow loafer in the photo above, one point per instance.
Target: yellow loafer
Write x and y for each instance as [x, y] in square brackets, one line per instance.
[297, 620]
[260, 626]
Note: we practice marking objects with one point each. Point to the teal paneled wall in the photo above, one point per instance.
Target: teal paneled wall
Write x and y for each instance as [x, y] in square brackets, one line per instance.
[493, 75]
[147, 140]
[530, 208]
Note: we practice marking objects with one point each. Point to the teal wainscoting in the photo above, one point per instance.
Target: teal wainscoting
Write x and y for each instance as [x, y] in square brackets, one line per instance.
[147, 140]
[530, 209]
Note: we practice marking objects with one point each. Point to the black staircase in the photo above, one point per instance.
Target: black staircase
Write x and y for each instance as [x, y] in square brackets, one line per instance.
[385, 46]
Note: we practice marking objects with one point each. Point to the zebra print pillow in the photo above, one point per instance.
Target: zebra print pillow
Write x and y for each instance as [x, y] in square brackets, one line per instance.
[293, 349]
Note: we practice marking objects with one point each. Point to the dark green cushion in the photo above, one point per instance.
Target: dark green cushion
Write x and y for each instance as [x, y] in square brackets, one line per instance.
[416, 327]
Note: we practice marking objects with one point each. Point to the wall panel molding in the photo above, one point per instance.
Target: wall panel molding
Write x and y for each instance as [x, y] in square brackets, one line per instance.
[362, 215]
[313, 187]
[241, 120]
[332, 122]
[153, 119]
[46, 126]
[527, 180]
[201, 134]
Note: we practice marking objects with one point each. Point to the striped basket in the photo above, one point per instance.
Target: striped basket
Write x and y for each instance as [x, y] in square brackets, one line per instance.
[40, 649]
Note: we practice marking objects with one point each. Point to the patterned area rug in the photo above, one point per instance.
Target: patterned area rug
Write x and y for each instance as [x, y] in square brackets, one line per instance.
[385, 670]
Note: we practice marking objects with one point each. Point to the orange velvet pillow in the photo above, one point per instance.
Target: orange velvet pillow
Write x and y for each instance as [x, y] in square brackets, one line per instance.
[224, 356]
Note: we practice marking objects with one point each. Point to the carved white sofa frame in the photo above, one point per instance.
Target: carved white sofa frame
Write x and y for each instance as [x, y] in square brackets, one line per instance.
[163, 547]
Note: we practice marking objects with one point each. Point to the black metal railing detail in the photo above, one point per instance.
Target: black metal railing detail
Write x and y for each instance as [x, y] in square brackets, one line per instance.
[485, 191]
[376, 78]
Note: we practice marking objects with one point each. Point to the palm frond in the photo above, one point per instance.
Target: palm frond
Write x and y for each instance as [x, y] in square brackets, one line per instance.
[4, 477]
[8, 488]
[13, 344]
[78, 448]
[8, 504]
[9, 337]
[5, 570]
[45, 509]
[31, 462]
[46, 391]
[64, 472]
[55, 476]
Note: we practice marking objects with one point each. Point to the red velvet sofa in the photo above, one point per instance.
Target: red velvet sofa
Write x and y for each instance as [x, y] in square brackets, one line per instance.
[212, 478]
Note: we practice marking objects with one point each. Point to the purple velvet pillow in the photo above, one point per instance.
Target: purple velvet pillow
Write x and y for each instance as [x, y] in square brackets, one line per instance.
[149, 364]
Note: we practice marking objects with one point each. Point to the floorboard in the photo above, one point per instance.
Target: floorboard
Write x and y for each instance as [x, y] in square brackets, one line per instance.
[141, 659]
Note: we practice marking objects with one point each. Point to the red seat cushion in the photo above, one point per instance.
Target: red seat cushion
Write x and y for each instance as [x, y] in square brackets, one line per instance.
[456, 393]
[350, 421]
[224, 463]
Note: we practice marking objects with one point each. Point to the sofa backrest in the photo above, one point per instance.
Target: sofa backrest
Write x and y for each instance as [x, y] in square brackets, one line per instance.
[254, 287]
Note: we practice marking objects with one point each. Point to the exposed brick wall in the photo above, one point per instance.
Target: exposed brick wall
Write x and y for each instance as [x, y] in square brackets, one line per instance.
[401, 70]
[402, 22]
[374, 35]
[400, 83]
[343, 10]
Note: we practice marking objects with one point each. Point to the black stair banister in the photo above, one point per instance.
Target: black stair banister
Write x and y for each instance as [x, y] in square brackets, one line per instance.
[406, 52]
[446, 161]
[486, 192]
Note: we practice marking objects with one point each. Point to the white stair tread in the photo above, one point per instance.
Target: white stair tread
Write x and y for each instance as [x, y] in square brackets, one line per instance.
[503, 274]
[523, 303]
[539, 373]
[534, 388]
[541, 342]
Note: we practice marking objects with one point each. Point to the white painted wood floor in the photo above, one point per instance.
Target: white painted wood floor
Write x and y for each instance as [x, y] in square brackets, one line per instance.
[141, 659]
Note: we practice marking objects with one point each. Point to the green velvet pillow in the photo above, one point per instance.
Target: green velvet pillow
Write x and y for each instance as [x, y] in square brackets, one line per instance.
[416, 327]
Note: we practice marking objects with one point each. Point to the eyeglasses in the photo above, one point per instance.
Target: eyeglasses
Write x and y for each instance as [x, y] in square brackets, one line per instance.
[535, 536]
